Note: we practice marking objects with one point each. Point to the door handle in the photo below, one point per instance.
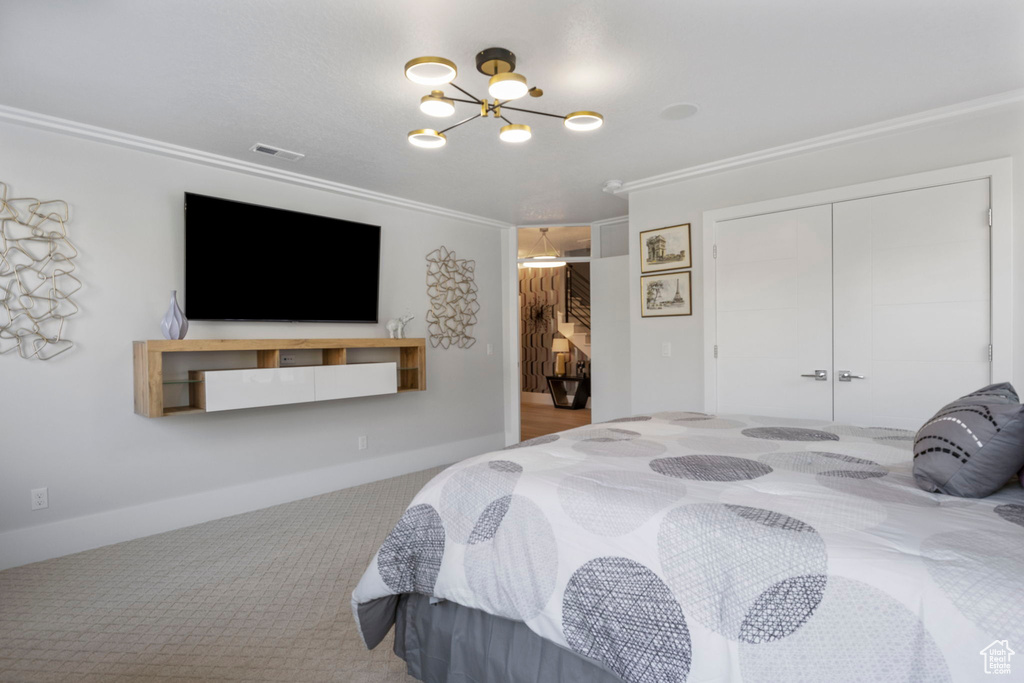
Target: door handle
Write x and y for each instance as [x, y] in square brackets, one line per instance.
[819, 375]
[847, 376]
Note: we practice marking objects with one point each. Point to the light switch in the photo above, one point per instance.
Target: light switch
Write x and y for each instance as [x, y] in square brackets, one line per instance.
[666, 349]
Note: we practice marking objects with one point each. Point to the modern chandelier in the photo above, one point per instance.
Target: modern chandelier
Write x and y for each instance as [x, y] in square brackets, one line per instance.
[504, 86]
[543, 254]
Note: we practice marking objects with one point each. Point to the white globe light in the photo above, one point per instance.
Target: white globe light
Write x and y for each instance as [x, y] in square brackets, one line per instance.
[516, 132]
[507, 86]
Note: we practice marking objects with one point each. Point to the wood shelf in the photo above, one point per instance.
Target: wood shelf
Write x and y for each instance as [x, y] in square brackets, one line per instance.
[149, 357]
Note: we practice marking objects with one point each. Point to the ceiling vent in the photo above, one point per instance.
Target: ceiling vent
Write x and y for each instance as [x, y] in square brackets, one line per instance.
[276, 152]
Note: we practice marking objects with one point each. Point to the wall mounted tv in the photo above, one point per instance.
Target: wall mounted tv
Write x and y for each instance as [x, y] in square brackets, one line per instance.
[250, 262]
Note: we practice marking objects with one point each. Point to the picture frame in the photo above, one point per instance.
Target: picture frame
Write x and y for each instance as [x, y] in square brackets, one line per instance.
[666, 294]
[665, 249]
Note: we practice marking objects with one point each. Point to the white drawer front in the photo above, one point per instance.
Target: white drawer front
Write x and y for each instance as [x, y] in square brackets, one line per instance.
[349, 381]
[231, 389]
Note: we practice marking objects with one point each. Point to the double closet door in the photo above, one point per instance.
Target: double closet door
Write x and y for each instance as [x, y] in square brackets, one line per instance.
[873, 311]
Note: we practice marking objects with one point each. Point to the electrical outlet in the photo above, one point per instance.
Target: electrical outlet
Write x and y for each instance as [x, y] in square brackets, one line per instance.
[362, 443]
[287, 359]
[666, 349]
[40, 499]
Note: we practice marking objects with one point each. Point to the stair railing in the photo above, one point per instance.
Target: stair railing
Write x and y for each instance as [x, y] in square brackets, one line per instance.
[577, 296]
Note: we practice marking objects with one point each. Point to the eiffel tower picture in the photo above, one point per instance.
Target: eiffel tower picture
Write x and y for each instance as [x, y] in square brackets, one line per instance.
[656, 300]
[678, 298]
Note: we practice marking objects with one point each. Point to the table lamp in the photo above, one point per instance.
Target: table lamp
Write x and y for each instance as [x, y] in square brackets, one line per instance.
[561, 347]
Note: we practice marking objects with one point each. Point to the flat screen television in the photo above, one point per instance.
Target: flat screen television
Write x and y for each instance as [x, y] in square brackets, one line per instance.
[250, 262]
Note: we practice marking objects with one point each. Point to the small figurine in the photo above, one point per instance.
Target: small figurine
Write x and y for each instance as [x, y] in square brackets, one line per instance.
[396, 326]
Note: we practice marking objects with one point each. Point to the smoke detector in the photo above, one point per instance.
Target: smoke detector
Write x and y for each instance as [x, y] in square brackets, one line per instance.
[612, 186]
[276, 152]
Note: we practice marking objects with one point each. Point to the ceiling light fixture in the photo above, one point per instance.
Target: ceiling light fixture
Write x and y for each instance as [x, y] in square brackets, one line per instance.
[504, 86]
[548, 256]
[515, 132]
[584, 120]
[507, 86]
[427, 137]
[431, 70]
[436, 104]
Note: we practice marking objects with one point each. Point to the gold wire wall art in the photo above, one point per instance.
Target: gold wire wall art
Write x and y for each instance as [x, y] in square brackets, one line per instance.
[36, 280]
[451, 286]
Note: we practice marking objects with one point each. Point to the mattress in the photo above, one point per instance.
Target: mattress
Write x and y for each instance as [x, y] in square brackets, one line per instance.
[687, 547]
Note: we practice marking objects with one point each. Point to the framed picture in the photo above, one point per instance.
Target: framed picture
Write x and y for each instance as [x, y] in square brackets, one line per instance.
[665, 294]
[665, 249]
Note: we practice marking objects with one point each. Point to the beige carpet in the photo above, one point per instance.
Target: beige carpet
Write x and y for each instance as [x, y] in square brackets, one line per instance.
[262, 596]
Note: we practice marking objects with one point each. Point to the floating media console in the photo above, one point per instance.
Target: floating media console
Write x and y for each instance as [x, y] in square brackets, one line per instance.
[259, 378]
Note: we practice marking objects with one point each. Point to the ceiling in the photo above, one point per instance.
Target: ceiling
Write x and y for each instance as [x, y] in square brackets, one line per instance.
[324, 77]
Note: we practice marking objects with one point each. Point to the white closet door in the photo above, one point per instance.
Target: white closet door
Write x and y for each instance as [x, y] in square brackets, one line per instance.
[912, 313]
[774, 313]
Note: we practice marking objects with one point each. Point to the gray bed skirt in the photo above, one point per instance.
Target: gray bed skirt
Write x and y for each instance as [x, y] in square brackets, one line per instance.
[449, 643]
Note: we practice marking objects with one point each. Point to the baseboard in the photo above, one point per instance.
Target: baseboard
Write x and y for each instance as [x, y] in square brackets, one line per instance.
[46, 541]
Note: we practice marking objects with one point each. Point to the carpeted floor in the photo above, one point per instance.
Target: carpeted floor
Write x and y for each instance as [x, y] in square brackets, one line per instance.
[262, 596]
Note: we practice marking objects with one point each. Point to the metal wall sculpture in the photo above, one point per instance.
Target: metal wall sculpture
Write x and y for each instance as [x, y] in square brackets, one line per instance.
[453, 306]
[36, 281]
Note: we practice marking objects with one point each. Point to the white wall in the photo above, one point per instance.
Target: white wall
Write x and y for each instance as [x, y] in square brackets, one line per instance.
[68, 424]
[609, 332]
[677, 382]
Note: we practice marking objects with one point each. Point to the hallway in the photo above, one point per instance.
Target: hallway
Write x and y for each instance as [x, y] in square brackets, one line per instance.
[539, 419]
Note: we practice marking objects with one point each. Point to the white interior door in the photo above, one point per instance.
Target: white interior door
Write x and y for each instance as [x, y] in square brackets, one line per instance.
[774, 313]
[912, 302]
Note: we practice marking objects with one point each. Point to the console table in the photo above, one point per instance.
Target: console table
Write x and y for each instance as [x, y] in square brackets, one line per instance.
[560, 395]
[341, 370]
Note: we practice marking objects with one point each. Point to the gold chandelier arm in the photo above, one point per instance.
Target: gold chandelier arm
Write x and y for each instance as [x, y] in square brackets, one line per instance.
[459, 124]
[475, 99]
[538, 113]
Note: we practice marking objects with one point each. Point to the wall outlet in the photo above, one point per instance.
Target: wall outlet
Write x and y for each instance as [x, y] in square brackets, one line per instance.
[362, 443]
[40, 499]
[287, 359]
[666, 349]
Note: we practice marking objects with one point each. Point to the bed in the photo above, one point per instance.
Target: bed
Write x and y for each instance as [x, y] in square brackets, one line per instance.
[688, 547]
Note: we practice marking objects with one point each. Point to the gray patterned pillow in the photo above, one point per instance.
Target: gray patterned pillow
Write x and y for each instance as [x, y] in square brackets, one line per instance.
[993, 393]
[973, 446]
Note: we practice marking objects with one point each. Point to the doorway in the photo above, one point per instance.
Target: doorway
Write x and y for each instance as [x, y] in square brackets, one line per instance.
[554, 328]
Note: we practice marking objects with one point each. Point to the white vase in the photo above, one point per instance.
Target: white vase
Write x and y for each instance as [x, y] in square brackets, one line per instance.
[174, 325]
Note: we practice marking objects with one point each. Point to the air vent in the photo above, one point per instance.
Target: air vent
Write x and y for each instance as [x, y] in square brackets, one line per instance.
[276, 152]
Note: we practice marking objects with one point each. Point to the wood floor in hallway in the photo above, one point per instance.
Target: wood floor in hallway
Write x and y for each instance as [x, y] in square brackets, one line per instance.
[539, 419]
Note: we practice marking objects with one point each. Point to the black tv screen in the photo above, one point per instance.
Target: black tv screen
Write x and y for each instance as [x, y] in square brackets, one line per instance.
[250, 262]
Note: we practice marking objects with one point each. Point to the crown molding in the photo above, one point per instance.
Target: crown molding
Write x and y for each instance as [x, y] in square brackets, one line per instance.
[873, 130]
[581, 224]
[610, 221]
[112, 137]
